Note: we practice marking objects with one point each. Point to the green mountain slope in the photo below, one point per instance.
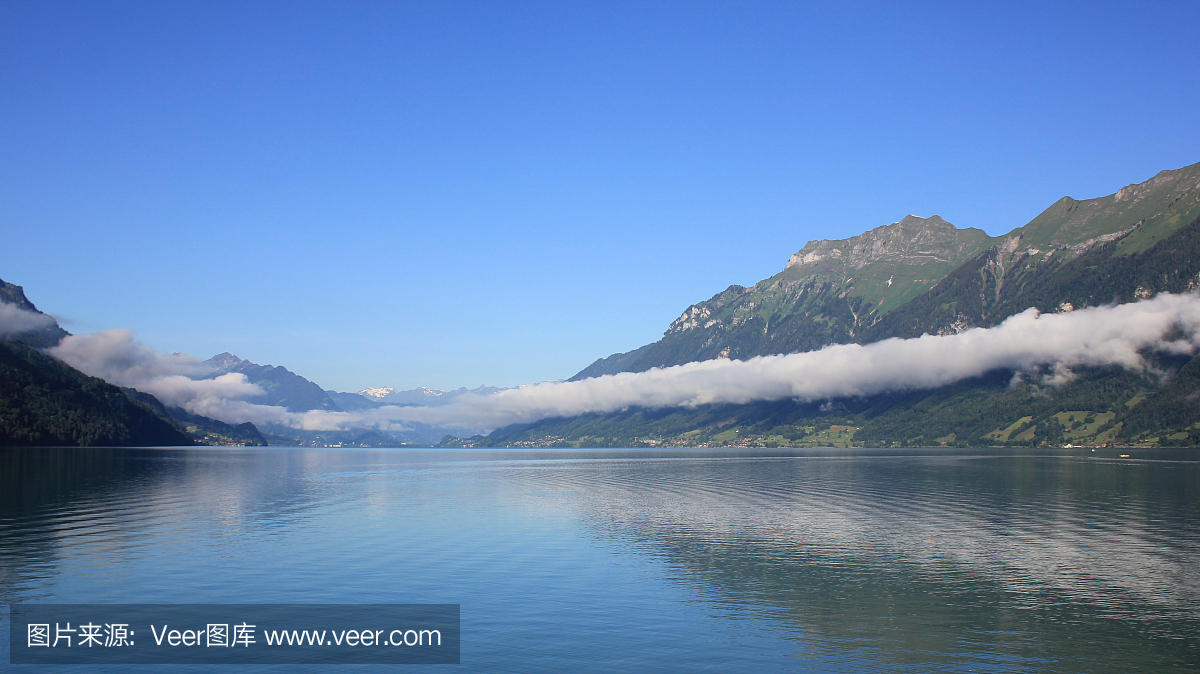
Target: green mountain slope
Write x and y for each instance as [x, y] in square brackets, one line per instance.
[1156, 207]
[1140, 241]
[879, 284]
[203, 430]
[213, 432]
[44, 402]
[829, 291]
[996, 285]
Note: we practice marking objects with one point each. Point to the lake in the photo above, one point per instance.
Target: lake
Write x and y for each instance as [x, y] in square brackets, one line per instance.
[659, 560]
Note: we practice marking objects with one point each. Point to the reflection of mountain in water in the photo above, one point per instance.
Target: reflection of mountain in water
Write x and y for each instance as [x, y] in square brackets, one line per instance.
[904, 560]
[110, 500]
[1057, 557]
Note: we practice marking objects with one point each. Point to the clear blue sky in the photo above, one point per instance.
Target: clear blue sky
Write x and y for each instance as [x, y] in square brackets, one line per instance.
[449, 194]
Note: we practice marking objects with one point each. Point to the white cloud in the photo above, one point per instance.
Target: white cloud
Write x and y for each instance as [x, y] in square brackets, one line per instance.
[1111, 335]
[118, 358]
[115, 356]
[192, 394]
[14, 320]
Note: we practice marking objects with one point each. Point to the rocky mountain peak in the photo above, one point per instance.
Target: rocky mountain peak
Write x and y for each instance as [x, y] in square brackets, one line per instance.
[40, 330]
[912, 236]
[224, 361]
[417, 395]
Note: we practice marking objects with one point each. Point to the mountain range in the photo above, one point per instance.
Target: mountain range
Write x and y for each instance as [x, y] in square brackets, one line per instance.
[284, 388]
[422, 395]
[843, 291]
[925, 276]
[909, 278]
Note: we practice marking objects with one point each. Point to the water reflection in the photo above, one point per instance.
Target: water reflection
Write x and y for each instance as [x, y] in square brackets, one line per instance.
[1078, 559]
[827, 560]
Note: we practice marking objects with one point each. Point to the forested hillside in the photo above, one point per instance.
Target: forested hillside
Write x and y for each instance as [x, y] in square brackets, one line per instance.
[44, 402]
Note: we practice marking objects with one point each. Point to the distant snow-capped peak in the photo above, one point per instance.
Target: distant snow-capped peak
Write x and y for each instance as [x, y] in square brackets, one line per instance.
[387, 391]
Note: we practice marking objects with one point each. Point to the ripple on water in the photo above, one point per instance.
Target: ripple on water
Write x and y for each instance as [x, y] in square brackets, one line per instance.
[673, 560]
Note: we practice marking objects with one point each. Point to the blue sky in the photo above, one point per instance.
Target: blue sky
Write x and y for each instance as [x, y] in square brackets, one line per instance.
[451, 194]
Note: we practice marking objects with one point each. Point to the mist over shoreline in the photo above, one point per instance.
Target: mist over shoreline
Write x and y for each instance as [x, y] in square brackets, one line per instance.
[1096, 336]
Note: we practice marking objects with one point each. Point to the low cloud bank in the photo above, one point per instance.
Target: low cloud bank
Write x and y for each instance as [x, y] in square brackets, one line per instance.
[1111, 335]
[118, 358]
[14, 320]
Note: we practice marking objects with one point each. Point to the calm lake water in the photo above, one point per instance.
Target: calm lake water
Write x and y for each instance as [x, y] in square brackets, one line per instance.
[645, 560]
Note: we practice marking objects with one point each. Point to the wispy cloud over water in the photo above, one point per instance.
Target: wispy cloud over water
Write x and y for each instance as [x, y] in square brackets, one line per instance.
[1110, 335]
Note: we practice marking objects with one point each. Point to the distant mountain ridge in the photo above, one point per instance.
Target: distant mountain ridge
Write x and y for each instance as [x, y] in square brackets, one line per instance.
[422, 395]
[1157, 208]
[281, 387]
[1135, 243]
[828, 293]
[284, 388]
[388, 395]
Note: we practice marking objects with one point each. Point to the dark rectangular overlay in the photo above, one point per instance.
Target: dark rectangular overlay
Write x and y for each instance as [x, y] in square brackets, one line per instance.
[182, 634]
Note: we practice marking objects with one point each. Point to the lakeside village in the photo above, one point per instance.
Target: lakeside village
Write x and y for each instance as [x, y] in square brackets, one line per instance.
[1075, 430]
[1071, 429]
[835, 436]
[550, 441]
